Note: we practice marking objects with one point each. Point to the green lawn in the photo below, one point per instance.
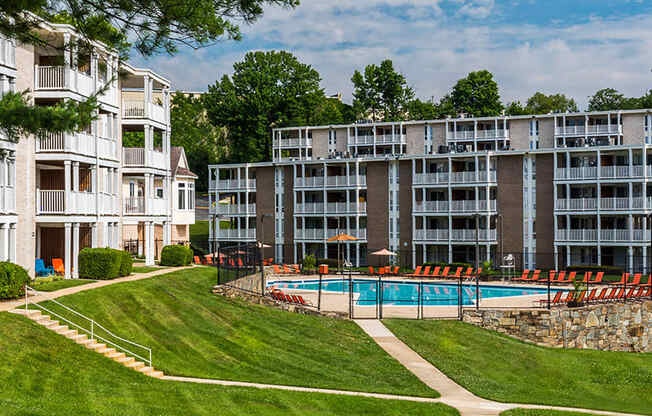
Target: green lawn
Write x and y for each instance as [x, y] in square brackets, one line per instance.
[199, 232]
[501, 368]
[145, 269]
[195, 333]
[537, 412]
[61, 284]
[44, 374]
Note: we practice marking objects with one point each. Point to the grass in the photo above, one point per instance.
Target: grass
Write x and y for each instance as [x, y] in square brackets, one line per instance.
[145, 269]
[199, 232]
[61, 284]
[541, 412]
[44, 374]
[500, 368]
[195, 333]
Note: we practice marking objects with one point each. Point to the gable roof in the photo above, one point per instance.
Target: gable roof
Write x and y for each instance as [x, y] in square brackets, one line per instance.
[177, 158]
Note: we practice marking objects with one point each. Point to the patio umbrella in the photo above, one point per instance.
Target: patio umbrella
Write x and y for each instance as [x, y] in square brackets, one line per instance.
[383, 252]
[340, 237]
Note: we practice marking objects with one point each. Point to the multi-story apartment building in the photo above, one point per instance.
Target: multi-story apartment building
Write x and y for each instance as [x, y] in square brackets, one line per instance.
[552, 190]
[83, 189]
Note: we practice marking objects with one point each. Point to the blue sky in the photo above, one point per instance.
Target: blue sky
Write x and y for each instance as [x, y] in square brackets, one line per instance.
[572, 46]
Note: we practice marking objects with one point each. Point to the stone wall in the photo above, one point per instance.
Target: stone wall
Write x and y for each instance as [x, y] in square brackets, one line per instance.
[614, 327]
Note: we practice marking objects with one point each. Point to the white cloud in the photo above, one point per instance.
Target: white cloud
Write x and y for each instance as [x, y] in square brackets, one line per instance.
[477, 9]
[434, 50]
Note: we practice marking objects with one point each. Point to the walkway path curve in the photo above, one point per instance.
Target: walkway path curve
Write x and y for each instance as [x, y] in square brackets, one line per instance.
[9, 305]
[452, 393]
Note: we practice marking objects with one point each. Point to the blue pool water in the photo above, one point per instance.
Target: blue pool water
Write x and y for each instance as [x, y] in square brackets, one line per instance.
[407, 293]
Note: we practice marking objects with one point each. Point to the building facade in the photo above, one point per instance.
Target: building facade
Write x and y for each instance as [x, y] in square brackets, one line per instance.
[84, 189]
[552, 190]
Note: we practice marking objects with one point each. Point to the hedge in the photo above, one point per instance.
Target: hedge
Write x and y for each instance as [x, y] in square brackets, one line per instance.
[104, 263]
[176, 255]
[453, 266]
[13, 279]
[615, 270]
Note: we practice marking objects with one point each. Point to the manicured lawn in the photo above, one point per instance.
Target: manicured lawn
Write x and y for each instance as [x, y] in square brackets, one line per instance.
[504, 369]
[195, 333]
[145, 269]
[536, 412]
[199, 232]
[61, 284]
[44, 374]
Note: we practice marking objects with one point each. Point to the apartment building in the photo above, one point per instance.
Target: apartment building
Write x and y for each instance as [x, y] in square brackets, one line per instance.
[83, 189]
[552, 190]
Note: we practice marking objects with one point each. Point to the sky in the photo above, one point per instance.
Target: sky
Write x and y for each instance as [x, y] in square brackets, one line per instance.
[573, 47]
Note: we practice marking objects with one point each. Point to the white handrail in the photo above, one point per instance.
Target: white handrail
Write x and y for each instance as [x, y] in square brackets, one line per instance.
[93, 325]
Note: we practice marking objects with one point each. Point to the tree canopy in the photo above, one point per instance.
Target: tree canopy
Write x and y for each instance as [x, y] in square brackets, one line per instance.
[381, 93]
[610, 99]
[477, 94]
[540, 103]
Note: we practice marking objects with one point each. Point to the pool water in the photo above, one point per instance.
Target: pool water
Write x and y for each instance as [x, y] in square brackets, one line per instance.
[395, 292]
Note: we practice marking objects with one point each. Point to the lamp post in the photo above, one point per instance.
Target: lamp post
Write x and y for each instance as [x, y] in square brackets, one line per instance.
[262, 253]
[477, 261]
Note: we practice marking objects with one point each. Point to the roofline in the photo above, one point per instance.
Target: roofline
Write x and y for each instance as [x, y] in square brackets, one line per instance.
[465, 119]
[145, 71]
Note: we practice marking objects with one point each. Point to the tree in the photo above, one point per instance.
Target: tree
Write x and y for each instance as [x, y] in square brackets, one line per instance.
[423, 110]
[477, 94]
[204, 143]
[381, 93]
[154, 26]
[331, 111]
[540, 103]
[515, 108]
[606, 99]
[267, 90]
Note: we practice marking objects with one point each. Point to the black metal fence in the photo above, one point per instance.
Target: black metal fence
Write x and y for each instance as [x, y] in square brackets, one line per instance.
[137, 247]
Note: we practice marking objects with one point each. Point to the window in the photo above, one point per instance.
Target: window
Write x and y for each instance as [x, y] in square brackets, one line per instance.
[182, 196]
[159, 192]
[191, 196]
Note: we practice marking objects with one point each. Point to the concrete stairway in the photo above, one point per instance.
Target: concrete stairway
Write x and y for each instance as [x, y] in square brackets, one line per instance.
[91, 344]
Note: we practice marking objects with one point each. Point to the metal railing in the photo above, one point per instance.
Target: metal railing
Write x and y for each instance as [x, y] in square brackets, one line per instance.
[331, 181]
[133, 109]
[93, 327]
[593, 129]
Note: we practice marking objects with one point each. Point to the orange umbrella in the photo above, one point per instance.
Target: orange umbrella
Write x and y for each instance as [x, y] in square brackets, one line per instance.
[383, 252]
[342, 237]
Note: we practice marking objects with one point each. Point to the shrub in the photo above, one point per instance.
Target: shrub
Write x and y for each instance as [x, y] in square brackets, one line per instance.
[331, 263]
[579, 268]
[309, 263]
[176, 255]
[100, 263]
[13, 279]
[126, 263]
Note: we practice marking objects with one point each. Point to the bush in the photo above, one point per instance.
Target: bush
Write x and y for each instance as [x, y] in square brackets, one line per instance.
[331, 263]
[126, 263]
[100, 263]
[176, 255]
[13, 279]
[579, 268]
[453, 266]
[309, 263]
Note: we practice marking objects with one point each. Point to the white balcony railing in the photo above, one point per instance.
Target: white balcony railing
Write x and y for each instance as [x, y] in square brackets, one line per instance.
[588, 130]
[609, 234]
[454, 177]
[141, 157]
[362, 139]
[62, 202]
[431, 206]
[159, 206]
[320, 234]
[78, 143]
[233, 209]
[7, 52]
[431, 235]
[50, 77]
[227, 184]
[467, 205]
[293, 142]
[455, 235]
[63, 78]
[134, 205]
[606, 204]
[331, 181]
[478, 135]
[133, 109]
[50, 202]
[331, 208]
[109, 204]
[7, 199]
[236, 234]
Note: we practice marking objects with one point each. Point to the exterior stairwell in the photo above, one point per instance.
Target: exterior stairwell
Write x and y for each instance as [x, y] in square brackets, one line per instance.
[88, 342]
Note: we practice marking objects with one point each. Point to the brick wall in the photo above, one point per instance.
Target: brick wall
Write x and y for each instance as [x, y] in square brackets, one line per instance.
[405, 205]
[288, 221]
[377, 208]
[265, 204]
[510, 202]
[545, 225]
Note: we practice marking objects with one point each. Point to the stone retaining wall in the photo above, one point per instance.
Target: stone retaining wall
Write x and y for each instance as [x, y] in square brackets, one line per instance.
[614, 327]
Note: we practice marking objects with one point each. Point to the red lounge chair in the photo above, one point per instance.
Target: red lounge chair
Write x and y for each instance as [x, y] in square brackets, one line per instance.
[569, 298]
[649, 281]
[554, 300]
[469, 272]
[426, 271]
[458, 273]
[395, 270]
[571, 277]
[648, 293]
[57, 265]
[277, 269]
[612, 294]
[371, 271]
[417, 272]
[444, 273]
[209, 260]
[640, 292]
[295, 299]
[587, 277]
[591, 296]
[287, 270]
[436, 272]
[622, 280]
[196, 259]
[580, 298]
[551, 277]
[598, 278]
[523, 276]
[561, 277]
[535, 276]
[302, 301]
[636, 280]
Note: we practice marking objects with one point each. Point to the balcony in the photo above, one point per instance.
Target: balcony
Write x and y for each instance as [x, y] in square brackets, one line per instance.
[362, 140]
[607, 235]
[54, 202]
[133, 157]
[331, 181]
[139, 109]
[7, 53]
[606, 204]
[78, 143]
[233, 209]
[321, 234]
[606, 172]
[294, 142]
[462, 206]
[466, 135]
[136, 206]
[443, 178]
[58, 78]
[7, 199]
[331, 208]
[232, 184]
[236, 234]
[456, 235]
[588, 130]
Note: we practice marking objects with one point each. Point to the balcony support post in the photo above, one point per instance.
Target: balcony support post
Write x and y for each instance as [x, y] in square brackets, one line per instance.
[147, 100]
[66, 62]
[148, 193]
[75, 250]
[67, 187]
[67, 253]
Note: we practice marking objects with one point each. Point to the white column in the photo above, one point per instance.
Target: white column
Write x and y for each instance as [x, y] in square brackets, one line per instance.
[94, 235]
[67, 239]
[66, 60]
[75, 250]
[149, 250]
[67, 187]
[147, 194]
[4, 239]
[12, 242]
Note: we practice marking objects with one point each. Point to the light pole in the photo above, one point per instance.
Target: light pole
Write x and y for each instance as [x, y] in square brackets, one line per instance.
[262, 253]
[477, 261]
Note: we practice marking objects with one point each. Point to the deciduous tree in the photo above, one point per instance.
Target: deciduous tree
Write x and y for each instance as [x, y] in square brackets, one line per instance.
[381, 93]
[477, 94]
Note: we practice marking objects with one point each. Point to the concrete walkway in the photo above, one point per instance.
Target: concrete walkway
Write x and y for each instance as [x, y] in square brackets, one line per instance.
[452, 393]
[9, 305]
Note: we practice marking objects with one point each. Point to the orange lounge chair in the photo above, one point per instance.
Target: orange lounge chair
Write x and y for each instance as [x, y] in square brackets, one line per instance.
[196, 260]
[602, 294]
[209, 260]
[551, 277]
[371, 271]
[277, 269]
[523, 275]
[302, 301]
[458, 273]
[622, 280]
[554, 300]
[468, 273]
[286, 269]
[649, 281]
[534, 277]
[59, 269]
[417, 272]
[426, 271]
[444, 272]
[598, 278]
[636, 280]
[561, 277]
[591, 296]
[436, 272]
[395, 270]
[587, 277]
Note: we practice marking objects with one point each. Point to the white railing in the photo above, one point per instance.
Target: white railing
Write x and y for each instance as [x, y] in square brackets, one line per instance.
[331, 207]
[82, 202]
[331, 181]
[134, 205]
[93, 330]
[479, 134]
[80, 143]
[109, 204]
[431, 178]
[158, 113]
[587, 172]
[587, 130]
[431, 206]
[296, 142]
[431, 235]
[577, 235]
[577, 204]
[133, 156]
[7, 52]
[50, 201]
[236, 184]
[389, 139]
[84, 84]
[237, 234]
[107, 148]
[320, 234]
[158, 159]
[159, 206]
[8, 200]
[469, 235]
[49, 77]
[362, 139]
[454, 177]
[234, 209]
[614, 171]
[133, 109]
[614, 203]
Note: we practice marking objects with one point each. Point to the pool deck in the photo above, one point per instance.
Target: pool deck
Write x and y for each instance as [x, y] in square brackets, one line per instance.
[339, 302]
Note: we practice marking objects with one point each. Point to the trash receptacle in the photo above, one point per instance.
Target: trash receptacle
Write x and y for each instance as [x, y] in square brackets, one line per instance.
[323, 269]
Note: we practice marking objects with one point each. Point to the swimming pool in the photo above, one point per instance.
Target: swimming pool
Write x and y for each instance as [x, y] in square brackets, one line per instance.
[397, 292]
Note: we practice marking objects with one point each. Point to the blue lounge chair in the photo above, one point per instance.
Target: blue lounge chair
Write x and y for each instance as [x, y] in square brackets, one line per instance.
[41, 270]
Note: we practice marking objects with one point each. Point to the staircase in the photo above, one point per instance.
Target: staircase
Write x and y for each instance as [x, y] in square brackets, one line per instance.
[90, 343]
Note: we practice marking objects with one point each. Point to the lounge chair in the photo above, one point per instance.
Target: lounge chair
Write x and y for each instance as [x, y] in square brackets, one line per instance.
[426, 271]
[436, 272]
[554, 300]
[302, 301]
[287, 270]
[535, 276]
[598, 278]
[569, 298]
[591, 296]
[587, 277]
[612, 294]
[196, 260]
[444, 273]
[561, 277]
[41, 270]
[395, 270]
[636, 280]
[622, 280]
[277, 269]
[523, 276]
[458, 273]
[59, 269]
[417, 272]
[209, 260]
[372, 272]
[602, 294]
[551, 277]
